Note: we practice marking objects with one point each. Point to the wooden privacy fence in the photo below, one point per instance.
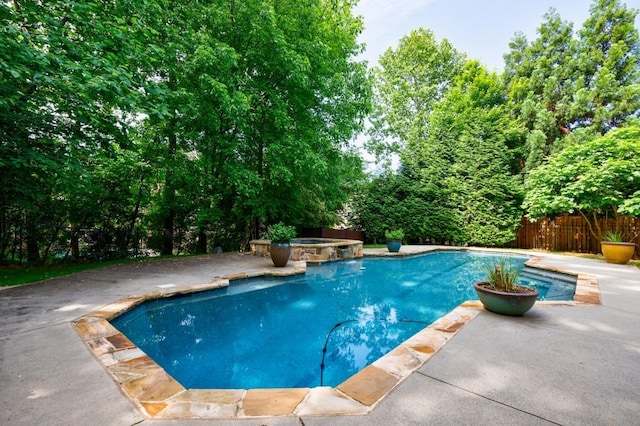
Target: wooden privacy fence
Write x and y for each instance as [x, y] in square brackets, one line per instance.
[571, 233]
[333, 233]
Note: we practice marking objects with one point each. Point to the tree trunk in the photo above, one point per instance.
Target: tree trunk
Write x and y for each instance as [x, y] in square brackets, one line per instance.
[167, 233]
[202, 242]
[33, 246]
[169, 191]
[75, 243]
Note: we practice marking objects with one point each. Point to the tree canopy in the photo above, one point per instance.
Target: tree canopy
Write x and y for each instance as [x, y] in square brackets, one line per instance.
[458, 182]
[597, 178]
[564, 87]
[409, 81]
[182, 125]
[146, 126]
[467, 138]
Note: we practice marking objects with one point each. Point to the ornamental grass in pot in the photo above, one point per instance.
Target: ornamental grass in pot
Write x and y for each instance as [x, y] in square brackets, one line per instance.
[615, 249]
[501, 294]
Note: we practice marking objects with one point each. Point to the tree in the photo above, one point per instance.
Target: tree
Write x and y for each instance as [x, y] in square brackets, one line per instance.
[595, 179]
[392, 201]
[540, 80]
[66, 91]
[468, 161]
[204, 118]
[409, 82]
[461, 183]
[305, 99]
[607, 90]
[567, 89]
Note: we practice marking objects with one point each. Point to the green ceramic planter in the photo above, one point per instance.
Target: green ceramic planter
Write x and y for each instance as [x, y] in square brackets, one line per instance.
[513, 304]
[394, 245]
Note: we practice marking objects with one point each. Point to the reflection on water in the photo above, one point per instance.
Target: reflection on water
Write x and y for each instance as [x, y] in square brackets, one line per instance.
[297, 331]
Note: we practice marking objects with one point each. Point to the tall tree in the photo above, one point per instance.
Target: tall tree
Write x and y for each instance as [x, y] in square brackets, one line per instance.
[408, 83]
[65, 95]
[469, 160]
[540, 80]
[567, 89]
[219, 116]
[460, 183]
[302, 98]
[607, 90]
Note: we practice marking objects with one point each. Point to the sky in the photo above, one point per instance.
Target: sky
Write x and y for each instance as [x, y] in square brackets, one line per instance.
[480, 28]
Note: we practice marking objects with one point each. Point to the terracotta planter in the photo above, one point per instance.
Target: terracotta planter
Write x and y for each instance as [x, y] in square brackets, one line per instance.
[394, 245]
[513, 304]
[280, 253]
[619, 253]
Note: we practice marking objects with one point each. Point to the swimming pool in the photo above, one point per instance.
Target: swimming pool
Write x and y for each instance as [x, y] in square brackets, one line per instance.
[310, 330]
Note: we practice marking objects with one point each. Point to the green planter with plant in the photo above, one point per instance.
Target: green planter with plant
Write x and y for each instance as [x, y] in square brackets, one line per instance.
[615, 249]
[394, 240]
[280, 247]
[501, 294]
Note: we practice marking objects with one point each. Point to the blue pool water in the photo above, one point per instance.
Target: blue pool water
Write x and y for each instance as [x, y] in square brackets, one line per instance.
[309, 330]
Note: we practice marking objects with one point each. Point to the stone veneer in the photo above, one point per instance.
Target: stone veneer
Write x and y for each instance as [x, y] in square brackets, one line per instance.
[326, 250]
[157, 395]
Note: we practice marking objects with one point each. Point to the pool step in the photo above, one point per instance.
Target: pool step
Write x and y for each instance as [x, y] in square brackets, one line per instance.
[555, 285]
[542, 274]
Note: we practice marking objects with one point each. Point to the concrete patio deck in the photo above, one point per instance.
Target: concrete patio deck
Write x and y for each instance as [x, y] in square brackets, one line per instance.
[557, 365]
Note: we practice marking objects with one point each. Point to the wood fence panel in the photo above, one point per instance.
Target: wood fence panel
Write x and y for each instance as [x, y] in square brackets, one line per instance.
[348, 234]
[571, 233]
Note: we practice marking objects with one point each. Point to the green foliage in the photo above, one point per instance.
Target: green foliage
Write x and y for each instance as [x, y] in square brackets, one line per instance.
[560, 84]
[459, 184]
[280, 232]
[408, 83]
[631, 206]
[394, 234]
[465, 166]
[193, 123]
[502, 275]
[595, 178]
[613, 237]
[396, 201]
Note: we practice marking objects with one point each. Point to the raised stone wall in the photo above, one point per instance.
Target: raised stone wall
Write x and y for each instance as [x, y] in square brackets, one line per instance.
[326, 250]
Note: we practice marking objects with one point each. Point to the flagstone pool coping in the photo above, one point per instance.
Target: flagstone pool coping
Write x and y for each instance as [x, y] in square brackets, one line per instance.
[157, 395]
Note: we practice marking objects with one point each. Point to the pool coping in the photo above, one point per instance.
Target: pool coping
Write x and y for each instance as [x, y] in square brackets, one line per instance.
[158, 396]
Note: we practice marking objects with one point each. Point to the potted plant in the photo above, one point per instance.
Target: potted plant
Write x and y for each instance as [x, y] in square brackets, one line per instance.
[615, 250]
[500, 293]
[280, 246]
[394, 240]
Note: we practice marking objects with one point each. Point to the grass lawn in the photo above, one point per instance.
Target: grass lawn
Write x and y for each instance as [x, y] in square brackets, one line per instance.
[16, 275]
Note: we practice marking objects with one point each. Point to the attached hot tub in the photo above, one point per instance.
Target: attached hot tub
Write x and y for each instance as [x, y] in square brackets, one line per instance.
[314, 249]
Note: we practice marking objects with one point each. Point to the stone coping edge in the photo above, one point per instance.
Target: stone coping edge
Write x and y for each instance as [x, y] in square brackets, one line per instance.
[157, 395]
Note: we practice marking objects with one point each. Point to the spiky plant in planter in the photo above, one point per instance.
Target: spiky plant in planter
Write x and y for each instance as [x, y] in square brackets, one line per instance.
[501, 294]
[615, 249]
